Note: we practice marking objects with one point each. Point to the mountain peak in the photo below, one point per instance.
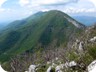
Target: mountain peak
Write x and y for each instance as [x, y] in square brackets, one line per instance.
[66, 17]
[56, 11]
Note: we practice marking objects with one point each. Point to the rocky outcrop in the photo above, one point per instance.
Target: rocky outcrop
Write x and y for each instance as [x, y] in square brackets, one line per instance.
[92, 67]
[2, 70]
[32, 68]
[53, 67]
[81, 47]
[50, 69]
[72, 63]
[78, 46]
[75, 23]
[93, 39]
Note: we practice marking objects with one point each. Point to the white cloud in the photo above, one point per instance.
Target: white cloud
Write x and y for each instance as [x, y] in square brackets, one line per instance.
[48, 1]
[91, 10]
[2, 2]
[73, 10]
[54, 1]
[80, 7]
[24, 2]
[71, 7]
[44, 10]
[94, 2]
[79, 10]
[41, 2]
[1, 9]
[32, 3]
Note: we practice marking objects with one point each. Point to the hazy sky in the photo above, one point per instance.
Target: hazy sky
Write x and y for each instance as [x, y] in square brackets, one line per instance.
[17, 9]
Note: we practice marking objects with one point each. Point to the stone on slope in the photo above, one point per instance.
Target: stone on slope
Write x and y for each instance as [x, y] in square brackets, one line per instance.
[92, 67]
[2, 70]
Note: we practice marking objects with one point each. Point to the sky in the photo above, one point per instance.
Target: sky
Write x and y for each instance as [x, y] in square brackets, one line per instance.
[18, 9]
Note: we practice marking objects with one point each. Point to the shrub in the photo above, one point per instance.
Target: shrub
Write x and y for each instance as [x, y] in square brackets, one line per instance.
[92, 51]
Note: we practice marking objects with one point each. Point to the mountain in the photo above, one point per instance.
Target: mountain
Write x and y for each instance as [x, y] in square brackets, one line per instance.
[41, 31]
[86, 20]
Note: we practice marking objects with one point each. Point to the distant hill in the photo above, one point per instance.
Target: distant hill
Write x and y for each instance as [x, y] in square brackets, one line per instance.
[86, 20]
[38, 31]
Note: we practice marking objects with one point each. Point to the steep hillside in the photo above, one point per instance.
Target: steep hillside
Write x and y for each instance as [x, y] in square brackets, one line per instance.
[50, 29]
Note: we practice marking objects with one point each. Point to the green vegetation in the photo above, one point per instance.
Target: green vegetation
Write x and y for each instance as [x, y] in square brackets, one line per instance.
[39, 30]
[9, 41]
[92, 51]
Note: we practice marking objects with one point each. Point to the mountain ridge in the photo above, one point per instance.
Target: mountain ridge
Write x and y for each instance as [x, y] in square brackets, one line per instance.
[40, 31]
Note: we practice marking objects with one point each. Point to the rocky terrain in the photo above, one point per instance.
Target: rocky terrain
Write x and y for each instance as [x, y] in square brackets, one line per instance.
[78, 56]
